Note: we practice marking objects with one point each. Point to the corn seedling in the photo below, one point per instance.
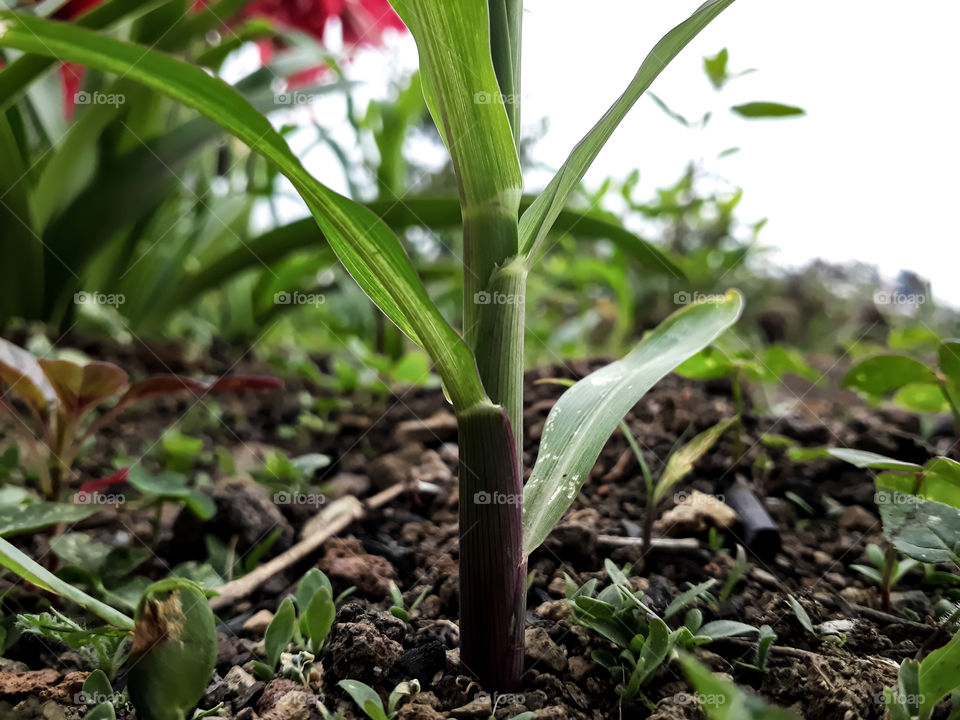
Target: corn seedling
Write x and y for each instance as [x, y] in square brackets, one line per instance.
[469, 69]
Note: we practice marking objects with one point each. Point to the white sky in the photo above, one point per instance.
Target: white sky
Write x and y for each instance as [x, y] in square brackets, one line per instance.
[870, 173]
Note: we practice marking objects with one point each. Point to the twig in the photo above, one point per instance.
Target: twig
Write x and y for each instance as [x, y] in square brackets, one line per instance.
[334, 518]
[664, 544]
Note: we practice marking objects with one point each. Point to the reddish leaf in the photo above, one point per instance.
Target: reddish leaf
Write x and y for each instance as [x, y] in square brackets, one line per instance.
[82, 387]
[93, 486]
[233, 383]
[21, 371]
[161, 385]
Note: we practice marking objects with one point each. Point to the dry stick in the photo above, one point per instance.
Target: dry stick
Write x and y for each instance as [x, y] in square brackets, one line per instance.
[679, 545]
[333, 519]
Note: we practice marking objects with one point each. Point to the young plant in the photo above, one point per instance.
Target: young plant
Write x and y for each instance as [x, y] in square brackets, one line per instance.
[469, 71]
[304, 620]
[913, 384]
[680, 463]
[722, 700]
[371, 704]
[921, 685]
[174, 636]
[59, 399]
[886, 570]
[398, 610]
[828, 632]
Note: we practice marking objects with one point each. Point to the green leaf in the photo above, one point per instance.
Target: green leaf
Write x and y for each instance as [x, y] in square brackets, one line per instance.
[587, 414]
[463, 96]
[687, 597]
[366, 247]
[924, 530]
[279, 632]
[754, 110]
[938, 676]
[874, 461]
[716, 69]
[30, 517]
[309, 584]
[536, 222]
[656, 647]
[83, 387]
[921, 397]
[12, 559]
[318, 619]
[174, 650]
[719, 629]
[366, 697]
[885, 374]
[97, 688]
[949, 356]
[722, 700]
[681, 462]
[707, 364]
[103, 711]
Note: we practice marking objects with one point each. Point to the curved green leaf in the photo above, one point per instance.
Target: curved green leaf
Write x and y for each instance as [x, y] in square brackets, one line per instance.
[12, 559]
[366, 247]
[754, 110]
[949, 357]
[886, 373]
[586, 415]
[539, 218]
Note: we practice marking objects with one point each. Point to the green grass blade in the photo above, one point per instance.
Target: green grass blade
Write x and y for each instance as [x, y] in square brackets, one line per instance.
[12, 559]
[366, 247]
[537, 221]
[586, 415]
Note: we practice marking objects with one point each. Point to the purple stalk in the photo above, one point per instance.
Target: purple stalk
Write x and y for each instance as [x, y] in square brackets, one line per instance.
[493, 568]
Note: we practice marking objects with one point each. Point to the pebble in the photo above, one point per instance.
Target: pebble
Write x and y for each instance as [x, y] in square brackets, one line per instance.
[441, 426]
[858, 519]
[257, 623]
[543, 651]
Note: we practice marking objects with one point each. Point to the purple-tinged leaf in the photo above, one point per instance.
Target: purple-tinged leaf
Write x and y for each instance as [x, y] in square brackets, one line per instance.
[22, 373]
[83, 387]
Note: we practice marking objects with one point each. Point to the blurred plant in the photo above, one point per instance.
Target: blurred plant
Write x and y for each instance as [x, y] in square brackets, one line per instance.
[398, 609]
[828, 632]
[371, 704]
[921, 685]
[720, 699]
[59, 398]
[886, 570]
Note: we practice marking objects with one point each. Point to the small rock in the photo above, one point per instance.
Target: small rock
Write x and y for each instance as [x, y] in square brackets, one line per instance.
[346, 561]
[572, 538]
[580, 667]
[557, 610]
[392, 468]
[346, 483]
[67, 689]
[858, 519]
[416, 711]
[238, 679]
[439, 427]
[554, 712]
[477, 708]
[543, 651]
[422, 662]
[359, 651]
[696, 512]
[822, 559]
[258, 623]
[25, 683]
[915, 600]
[298, 704]
[432, 469]
[274, 691]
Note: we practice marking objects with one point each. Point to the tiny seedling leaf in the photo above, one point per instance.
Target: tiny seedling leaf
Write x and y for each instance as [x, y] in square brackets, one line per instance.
[366, 697]
[885, 374]
[279, 632]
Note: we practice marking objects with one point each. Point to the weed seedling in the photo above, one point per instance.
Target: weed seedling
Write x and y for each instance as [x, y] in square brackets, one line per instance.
[886, 570]
[397, 609]
[371, 704]
[828, 632]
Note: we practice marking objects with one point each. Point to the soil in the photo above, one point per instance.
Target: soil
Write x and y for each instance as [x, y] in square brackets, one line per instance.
[375, 442]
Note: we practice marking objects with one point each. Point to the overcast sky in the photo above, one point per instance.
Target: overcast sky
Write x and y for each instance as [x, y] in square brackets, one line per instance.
[870, 173]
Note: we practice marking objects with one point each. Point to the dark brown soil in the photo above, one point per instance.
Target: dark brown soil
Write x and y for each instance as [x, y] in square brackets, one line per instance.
[413, 541]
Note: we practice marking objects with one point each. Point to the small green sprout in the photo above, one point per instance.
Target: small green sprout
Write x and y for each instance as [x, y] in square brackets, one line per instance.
[371, 704]
[397, 609]
[824, 632]
[887, 570]
[737, 573]
[922, 685]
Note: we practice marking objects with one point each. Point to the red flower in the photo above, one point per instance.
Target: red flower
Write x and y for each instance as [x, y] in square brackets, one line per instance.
[363, 21]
